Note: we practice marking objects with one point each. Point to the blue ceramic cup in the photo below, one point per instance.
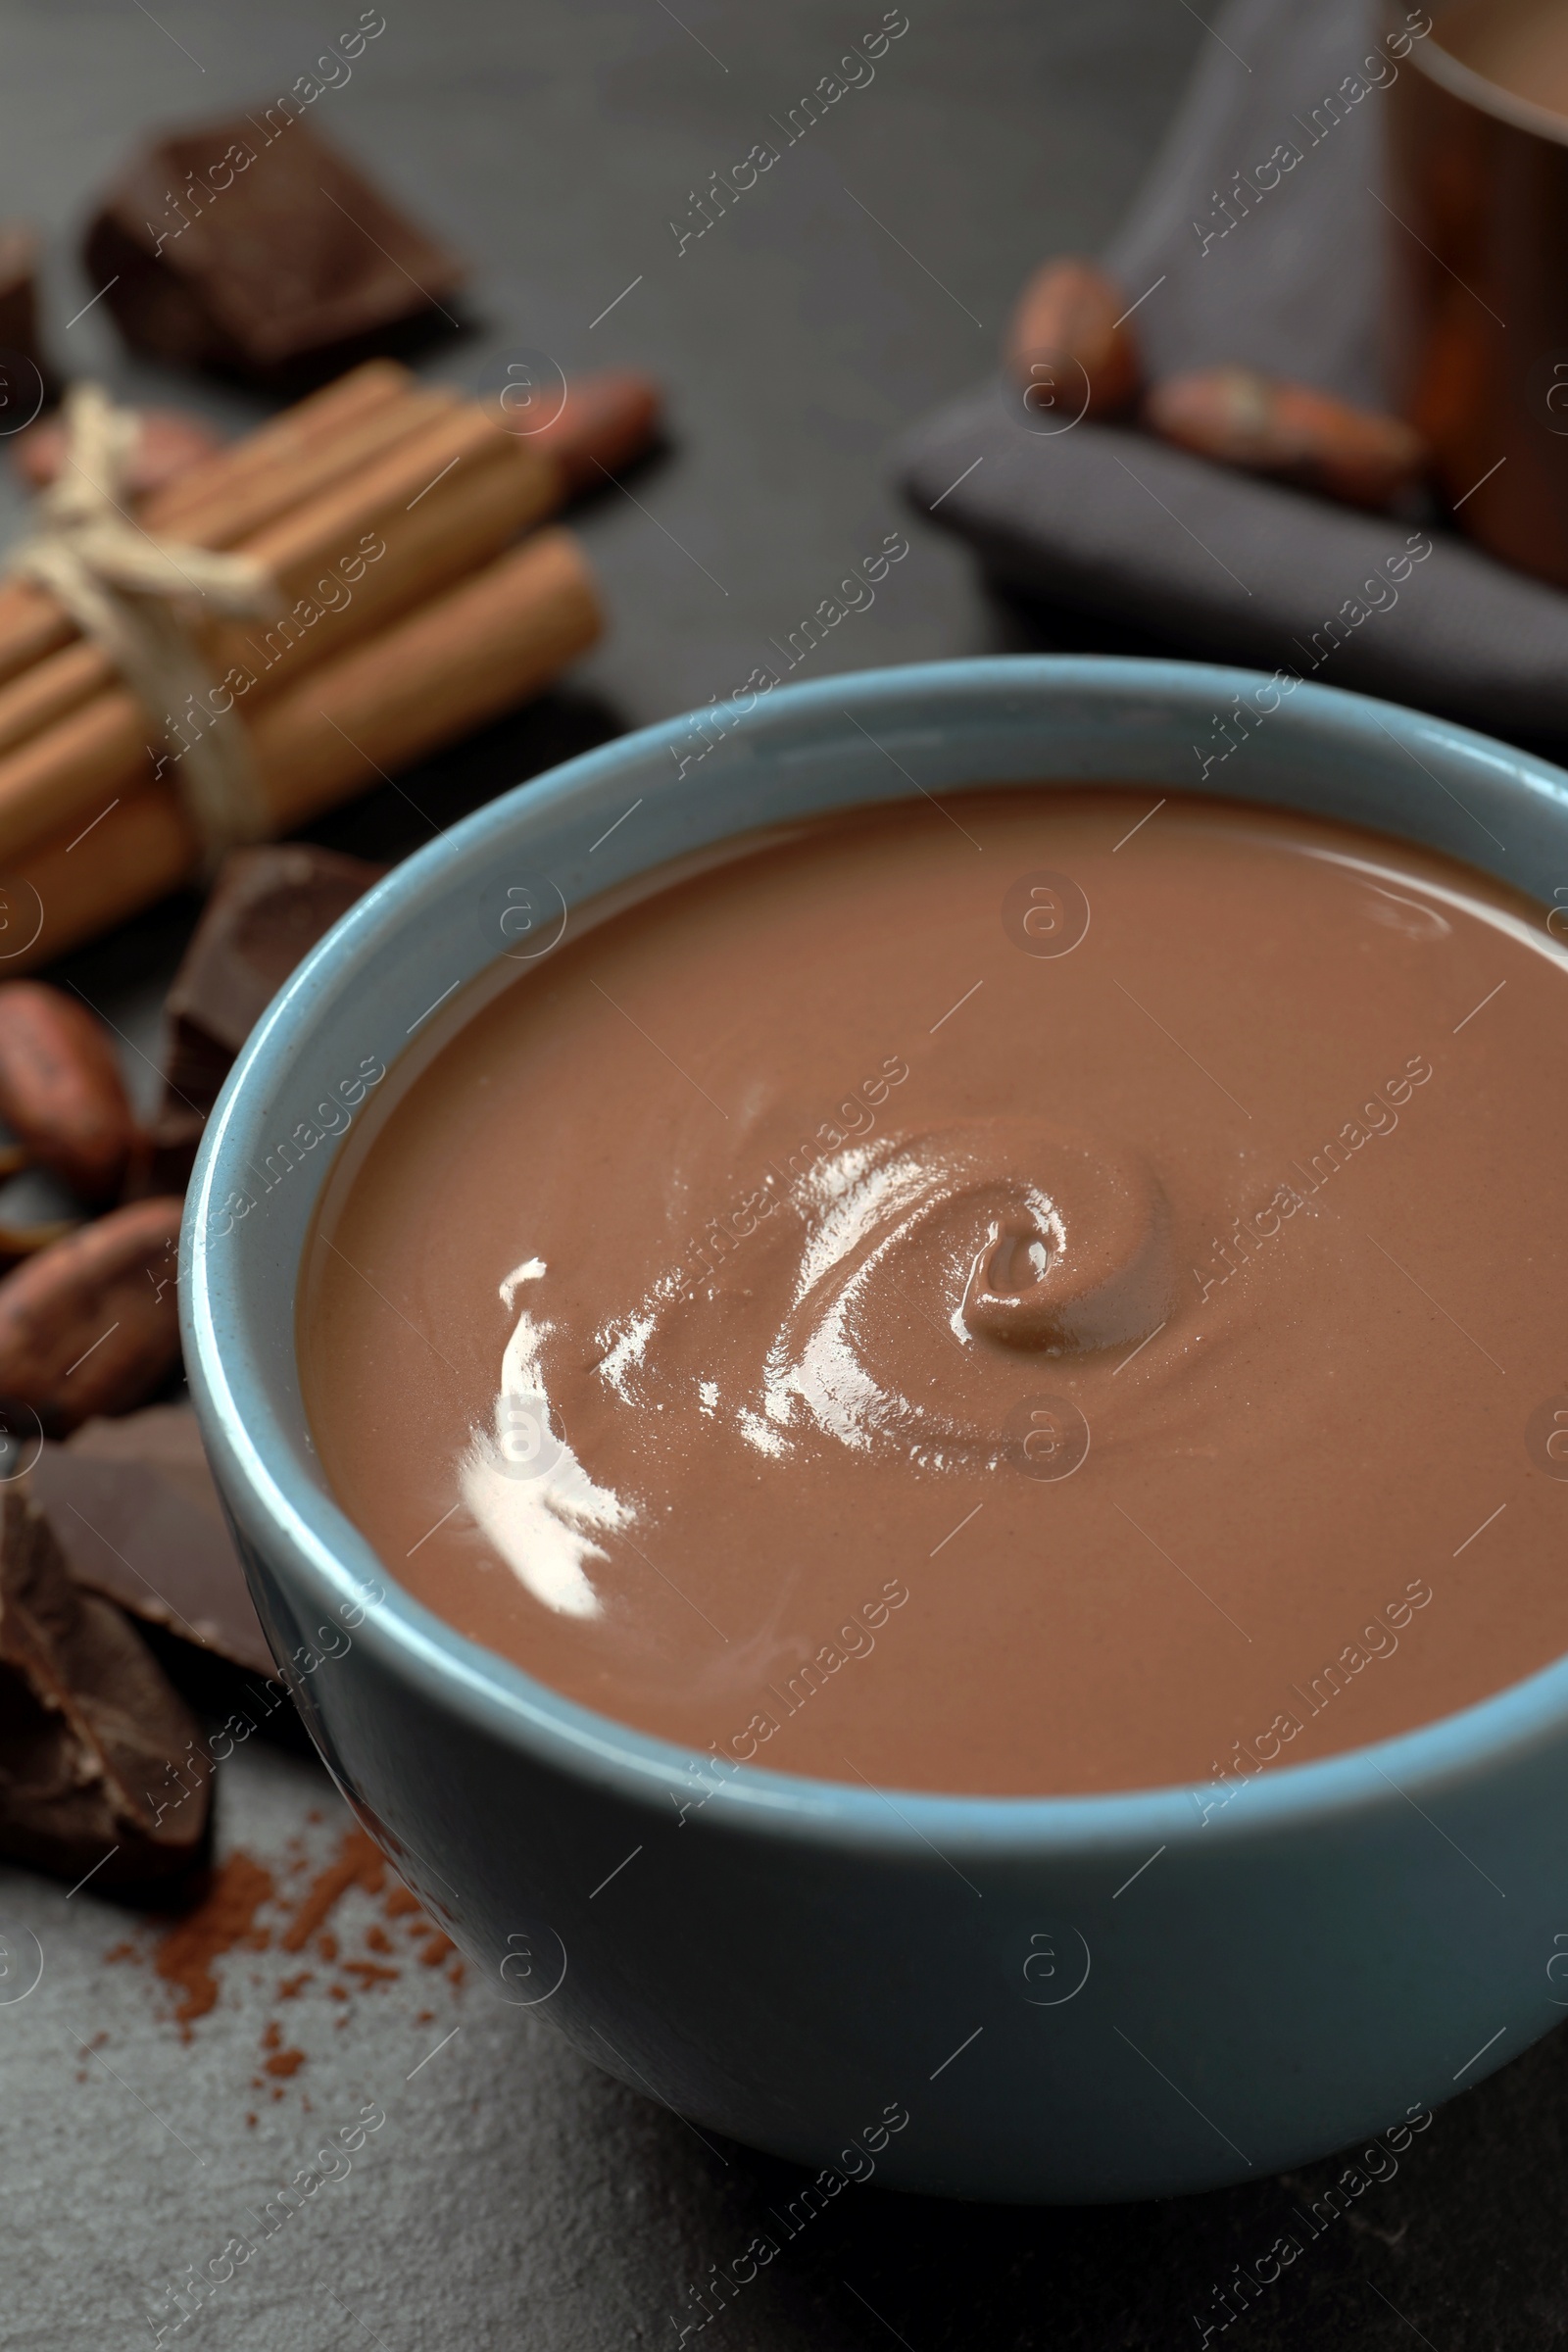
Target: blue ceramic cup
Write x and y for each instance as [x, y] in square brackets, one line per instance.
[987, 1997]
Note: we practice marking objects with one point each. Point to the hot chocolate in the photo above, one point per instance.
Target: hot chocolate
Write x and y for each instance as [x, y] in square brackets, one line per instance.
[1036, 1296]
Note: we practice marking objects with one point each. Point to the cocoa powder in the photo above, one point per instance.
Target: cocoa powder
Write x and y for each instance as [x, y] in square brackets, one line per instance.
[247, 1905]
[224, 1917]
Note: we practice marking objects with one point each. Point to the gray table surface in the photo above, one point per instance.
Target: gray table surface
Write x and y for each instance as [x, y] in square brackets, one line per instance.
[516, 2197]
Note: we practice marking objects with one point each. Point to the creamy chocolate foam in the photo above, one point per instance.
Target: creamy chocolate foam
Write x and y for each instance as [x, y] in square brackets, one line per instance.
[1026, 1308]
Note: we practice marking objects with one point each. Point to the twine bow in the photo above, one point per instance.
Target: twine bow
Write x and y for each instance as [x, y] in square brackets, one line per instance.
[139, 599]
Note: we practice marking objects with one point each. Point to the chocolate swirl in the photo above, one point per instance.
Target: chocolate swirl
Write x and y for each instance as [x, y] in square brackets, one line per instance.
[893, 1302]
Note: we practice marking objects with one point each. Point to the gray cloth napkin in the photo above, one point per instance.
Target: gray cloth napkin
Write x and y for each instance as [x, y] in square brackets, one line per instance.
[1216, 563]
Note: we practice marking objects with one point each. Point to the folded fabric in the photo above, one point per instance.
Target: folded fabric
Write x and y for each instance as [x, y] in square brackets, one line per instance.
[1234, 569]
[1214, 562]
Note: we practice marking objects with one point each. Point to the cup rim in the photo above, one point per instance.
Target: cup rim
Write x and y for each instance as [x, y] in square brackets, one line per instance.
[1439, 65]
[287, 1515]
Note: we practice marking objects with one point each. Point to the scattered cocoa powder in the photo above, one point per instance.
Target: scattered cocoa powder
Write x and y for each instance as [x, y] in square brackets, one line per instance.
[227, 1916]
[359, 1863]
[224, 1917]
[369, 1972]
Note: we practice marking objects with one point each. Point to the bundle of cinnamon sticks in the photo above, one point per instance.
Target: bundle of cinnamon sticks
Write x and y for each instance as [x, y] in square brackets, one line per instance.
[386, 512]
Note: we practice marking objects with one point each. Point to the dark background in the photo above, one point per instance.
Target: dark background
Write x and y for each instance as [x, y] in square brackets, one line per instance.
[519, 2198]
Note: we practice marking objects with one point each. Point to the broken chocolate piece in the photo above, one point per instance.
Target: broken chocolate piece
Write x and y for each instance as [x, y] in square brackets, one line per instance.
[267, 908]
[137, 1515]
[165, 1153]
[27, 383]
[101, 1769]
[252, 247]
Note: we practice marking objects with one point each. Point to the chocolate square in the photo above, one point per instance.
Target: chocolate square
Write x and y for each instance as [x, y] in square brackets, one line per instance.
[267, 908]
[136, 1515]
[252, 247]
[101, 1766]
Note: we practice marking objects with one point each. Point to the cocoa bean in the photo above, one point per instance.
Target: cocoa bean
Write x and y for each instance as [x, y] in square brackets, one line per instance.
[61, 1089]
[24, 1241]
[168, 443]
[1070, 343]
[604, 422]
[1266, 426]
[90, 1325]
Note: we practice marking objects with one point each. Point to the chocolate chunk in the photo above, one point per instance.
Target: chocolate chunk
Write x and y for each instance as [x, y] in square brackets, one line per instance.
[252, 247]
[165, 1153]
[100, 1764]
[27, 380]
[137, 1515]
[267, 908]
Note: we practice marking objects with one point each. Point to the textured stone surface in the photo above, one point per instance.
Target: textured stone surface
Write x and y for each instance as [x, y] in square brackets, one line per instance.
[516, 2197]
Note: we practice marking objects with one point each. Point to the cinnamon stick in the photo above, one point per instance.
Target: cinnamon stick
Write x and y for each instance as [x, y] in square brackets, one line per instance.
[485, 501]
[239, 496]
[145, 849]
[227, 518]
[279, 442]
[447, 668]
[451, 523]
[459, 661]
[46, 690]
[34, 624]
[64, 775]
[376, 496]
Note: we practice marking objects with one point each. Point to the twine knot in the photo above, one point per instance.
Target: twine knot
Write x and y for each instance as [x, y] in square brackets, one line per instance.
[140, 599]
